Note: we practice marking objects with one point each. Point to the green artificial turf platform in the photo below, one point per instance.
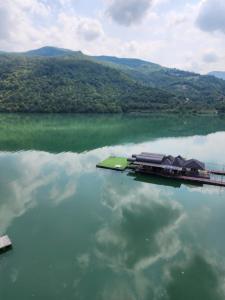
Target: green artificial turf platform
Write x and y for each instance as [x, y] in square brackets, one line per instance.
[114, 163]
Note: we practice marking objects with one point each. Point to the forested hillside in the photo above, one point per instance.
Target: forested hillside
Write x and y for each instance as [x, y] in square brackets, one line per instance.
[60, 80]
[218, 74]
[72, 85]
[192, 86]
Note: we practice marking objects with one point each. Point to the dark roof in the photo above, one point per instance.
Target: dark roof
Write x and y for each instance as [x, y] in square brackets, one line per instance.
[155, 155]
[179, 156]
[194, 164]
[150, 157]
[167, 161]
[171, 158]
[179, 161]
[153, 159]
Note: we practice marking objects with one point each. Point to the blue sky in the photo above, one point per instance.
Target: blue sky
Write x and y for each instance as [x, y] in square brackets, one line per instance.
[186, 34]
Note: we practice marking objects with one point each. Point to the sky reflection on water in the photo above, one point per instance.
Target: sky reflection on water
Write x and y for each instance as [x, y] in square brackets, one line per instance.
[121, 238]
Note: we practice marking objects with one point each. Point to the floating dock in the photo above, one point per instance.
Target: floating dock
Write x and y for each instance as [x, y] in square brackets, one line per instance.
[196, 180]
[217, 172]
[114, 163]
[5, 243]
[159, 165]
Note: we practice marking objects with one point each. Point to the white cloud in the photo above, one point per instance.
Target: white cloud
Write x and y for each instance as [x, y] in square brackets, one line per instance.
[89, 29]
[17, 27]
[210, 57]
[157, 238]
[33, 172]
[212, 16]
[30, 24]
[5, 21]
[128, 12]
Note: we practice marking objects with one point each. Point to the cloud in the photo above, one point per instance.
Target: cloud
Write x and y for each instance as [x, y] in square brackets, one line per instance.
[4, 21]
[89, 29]
[29, 174]
[17, 23]
[204, 278]
[83, 261]
[210, 57]
[139, 237]
[211, 16]
[34, 23]
[128, 12]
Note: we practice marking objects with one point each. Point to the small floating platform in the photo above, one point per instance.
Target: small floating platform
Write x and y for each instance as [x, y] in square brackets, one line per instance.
[114, 163]
[5, 243]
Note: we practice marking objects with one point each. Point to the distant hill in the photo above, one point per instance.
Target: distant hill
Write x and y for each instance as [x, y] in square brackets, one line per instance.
[53, 80]
[47, 51]
[51, 52]
[130, 63]
[189, 85]
[218, 74]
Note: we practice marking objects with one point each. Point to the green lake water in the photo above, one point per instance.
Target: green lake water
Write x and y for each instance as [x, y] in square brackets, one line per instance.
[84, 233]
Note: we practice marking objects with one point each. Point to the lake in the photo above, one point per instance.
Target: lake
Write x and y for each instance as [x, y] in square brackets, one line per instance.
[85, 233]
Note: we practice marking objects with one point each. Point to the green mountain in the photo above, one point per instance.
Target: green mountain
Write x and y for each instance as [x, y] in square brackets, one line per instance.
[188, 85]
[47, 51]
[59, 80]
[129, 63]
[218, 74]
[68, 84]
[50, 51]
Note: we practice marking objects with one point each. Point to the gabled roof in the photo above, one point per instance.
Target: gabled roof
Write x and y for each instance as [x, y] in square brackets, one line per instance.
[194, 164]
[150, 157]
[167, 161]
[179, 161]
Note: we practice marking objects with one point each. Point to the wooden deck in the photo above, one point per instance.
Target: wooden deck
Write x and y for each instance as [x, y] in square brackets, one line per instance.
[217, 172]
[186, 178]
[5, 243]
[203, 180]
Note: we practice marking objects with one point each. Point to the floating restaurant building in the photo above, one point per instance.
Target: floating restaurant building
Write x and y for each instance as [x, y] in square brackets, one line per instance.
[167, 166]
[159, 163]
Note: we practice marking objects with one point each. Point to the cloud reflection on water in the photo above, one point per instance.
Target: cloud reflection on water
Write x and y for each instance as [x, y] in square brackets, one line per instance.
[25, 175]
[28, 172]
[196, 278]
[144, 221]
[142, 230]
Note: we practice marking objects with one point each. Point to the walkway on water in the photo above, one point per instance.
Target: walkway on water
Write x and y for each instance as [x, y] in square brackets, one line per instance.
[217, 172]
[186, 178]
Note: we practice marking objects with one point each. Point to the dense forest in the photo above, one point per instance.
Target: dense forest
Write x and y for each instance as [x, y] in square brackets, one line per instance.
[60, 80]
[218, 74]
